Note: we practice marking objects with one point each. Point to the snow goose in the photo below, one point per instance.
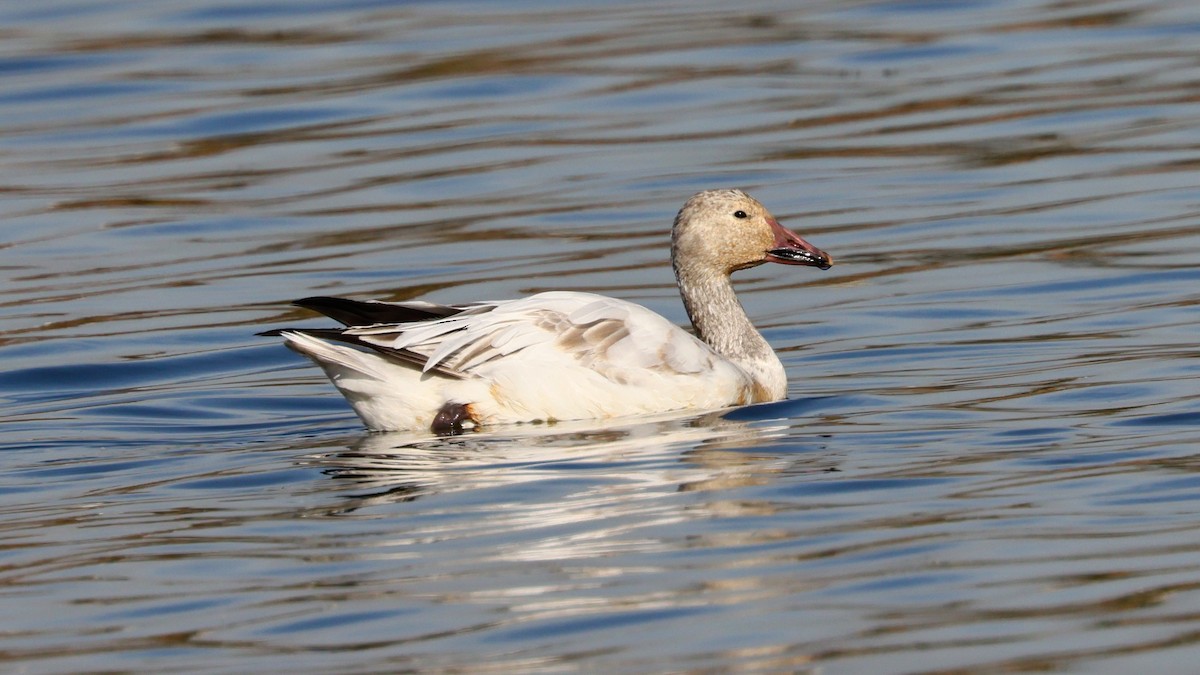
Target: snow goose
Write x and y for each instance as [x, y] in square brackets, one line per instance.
[565, 355]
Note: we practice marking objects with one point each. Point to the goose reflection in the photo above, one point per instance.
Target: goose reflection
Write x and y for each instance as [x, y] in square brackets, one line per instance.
[682, 452]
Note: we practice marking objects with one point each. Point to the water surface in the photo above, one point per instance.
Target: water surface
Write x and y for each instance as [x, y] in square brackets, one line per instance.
[988, 461]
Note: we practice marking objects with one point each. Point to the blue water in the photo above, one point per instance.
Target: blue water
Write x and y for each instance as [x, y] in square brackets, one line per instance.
[988, 461]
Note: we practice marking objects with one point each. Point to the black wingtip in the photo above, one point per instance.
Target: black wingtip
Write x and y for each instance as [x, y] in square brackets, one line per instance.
[314, 301]
[367, 313]
[338, 309]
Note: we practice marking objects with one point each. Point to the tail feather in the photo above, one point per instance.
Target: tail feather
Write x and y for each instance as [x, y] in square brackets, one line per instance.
[404, 357]
[324, 353]
[384, 393]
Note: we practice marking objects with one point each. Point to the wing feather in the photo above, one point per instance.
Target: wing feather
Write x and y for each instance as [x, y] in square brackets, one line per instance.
[617, 339]
[607, 335]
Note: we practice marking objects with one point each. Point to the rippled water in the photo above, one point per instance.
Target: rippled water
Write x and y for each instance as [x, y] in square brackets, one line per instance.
[988, 462]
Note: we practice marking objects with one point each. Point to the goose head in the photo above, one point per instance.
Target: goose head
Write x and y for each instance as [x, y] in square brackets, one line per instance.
[722, 231]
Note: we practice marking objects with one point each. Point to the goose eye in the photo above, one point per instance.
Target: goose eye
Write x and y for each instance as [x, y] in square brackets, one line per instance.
[740, 214]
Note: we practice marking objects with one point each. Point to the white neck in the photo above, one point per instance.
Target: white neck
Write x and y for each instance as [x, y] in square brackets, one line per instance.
[721, 321]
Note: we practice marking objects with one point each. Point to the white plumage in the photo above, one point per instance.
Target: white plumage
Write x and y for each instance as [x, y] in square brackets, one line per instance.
[567, 355]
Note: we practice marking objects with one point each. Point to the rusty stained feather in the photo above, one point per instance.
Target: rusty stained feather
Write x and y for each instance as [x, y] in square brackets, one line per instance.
[761, 395]
[752, 392]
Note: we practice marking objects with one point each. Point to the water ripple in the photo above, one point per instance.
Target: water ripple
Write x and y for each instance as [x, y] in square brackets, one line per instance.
[986, 463]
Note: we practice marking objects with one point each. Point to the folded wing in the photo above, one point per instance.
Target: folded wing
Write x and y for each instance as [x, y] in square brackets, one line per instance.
[615, 338]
